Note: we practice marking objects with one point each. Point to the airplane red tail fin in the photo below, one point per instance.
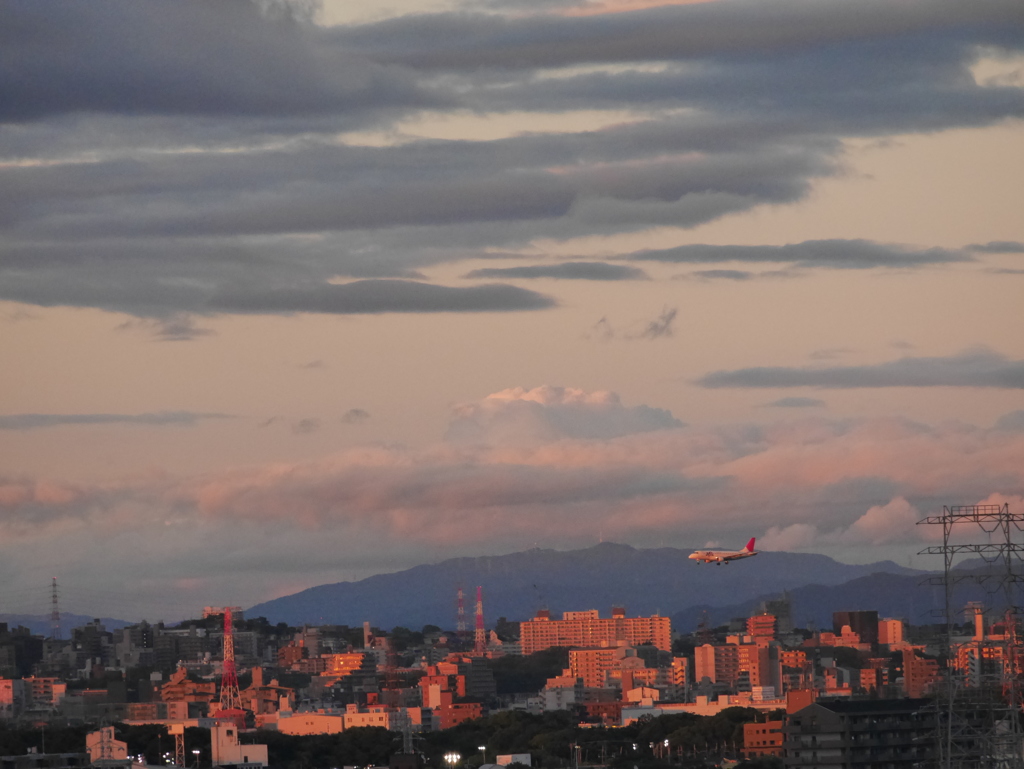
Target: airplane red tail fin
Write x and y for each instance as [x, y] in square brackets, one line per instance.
[750, 545]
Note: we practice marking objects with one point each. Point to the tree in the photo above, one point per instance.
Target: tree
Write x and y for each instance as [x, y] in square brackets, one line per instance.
[515, 674]
[506, 631]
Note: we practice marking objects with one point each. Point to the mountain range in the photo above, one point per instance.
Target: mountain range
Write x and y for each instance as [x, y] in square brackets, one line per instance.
[644, 581]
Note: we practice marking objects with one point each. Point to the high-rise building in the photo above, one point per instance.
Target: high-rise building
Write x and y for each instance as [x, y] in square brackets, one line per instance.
[890, 632]
[600, 665]
[863, 623]
[761, 626]
[737, 665]
[920, 675]
[587, 628]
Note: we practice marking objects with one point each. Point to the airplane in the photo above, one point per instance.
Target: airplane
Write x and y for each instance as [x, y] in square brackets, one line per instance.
[723, 556]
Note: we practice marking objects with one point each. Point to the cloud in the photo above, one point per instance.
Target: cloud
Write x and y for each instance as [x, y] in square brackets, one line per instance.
[459, 41]
[722, 275]
[972, 368]
[188, 58]
[831, 254]
[355, 417]
[661, 326]
[544, 414]
[150, 171]
[997, 247]
[1013, 421]
[178, 327]
[797, 403]
[796, 536]
[549, 465]
[306, 426]
[563, 271]
[894, 522]
[39, 421]
[601, 331]
[377, 296]
[831, 352]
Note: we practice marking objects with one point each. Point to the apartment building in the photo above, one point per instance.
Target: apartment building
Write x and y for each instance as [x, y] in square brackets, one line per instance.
[861, 733]
[738, 665]
[589, 629]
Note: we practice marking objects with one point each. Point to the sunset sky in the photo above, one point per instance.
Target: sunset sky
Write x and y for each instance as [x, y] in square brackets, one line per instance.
[296, 293]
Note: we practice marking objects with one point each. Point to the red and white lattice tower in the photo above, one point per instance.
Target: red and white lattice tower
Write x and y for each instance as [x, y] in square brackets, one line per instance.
[481, 633]
[460, 614]
[229, 697]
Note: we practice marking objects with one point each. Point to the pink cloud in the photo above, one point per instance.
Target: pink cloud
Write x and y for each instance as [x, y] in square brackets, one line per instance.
[521, 417]
[796, 536]
[807, 484]
[896, 521]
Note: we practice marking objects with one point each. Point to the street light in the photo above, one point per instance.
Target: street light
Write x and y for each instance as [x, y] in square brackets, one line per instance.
[452, 758]
[196, 754]
[483, 754]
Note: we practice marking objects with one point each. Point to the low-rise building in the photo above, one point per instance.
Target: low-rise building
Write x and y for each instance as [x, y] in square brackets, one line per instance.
[860, 733]
[762, 739]
[227, 750]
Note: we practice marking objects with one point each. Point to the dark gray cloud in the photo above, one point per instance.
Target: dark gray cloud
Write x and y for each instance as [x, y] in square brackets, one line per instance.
[973, 368]
[460, 41]
[178, 327]
[564, 271]
[354, 416]
[601, 331]
[832, 254]
[795, 402]
[376, 296]
[176, 160]
[137, 57]
[720, 275]
[38, 421]
[997, 247]
[661, 326]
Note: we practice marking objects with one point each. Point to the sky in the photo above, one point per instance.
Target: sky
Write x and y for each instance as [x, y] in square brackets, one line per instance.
[293, 293]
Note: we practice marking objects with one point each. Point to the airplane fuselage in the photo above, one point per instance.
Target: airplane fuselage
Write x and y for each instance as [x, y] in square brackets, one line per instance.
[723, 556]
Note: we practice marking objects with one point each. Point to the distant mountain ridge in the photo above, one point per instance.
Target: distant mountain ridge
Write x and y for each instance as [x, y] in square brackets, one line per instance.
[515, 586]
[910, 597]
[39, 624]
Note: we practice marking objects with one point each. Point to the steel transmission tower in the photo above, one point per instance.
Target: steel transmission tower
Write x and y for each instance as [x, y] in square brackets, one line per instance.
[979, 707]
[54, 611]
[480, 647]
[460, 614]
[229, 697]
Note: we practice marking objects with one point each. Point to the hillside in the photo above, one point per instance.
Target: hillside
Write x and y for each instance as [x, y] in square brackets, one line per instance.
[645, 581]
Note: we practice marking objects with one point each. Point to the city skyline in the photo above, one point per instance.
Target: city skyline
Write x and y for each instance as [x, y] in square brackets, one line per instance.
[293, 294]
